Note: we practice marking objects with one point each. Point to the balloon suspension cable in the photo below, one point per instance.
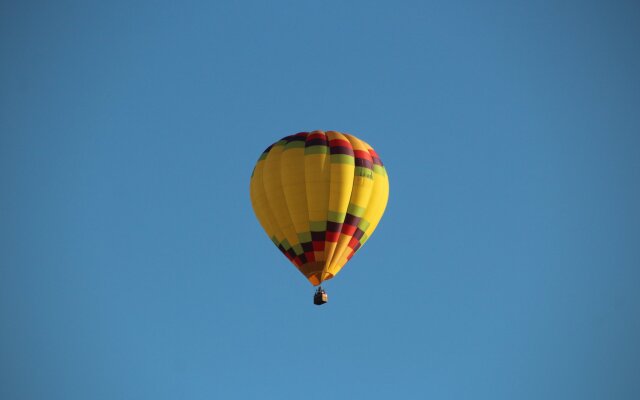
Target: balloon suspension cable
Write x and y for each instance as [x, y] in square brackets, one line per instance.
[320, 296]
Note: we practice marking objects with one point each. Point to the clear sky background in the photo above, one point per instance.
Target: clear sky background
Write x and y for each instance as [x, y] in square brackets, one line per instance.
[507, 265]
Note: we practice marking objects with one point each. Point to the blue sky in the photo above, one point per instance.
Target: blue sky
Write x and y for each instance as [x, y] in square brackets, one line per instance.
[506, 266]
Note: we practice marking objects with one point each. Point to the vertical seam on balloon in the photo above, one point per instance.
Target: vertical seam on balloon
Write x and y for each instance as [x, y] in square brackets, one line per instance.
[327, 260]
[287, 251]
[372, 225]
[301, 256]
[355, 142]
[311, 141]
[289, 221]
[338, 149]
[315, 143]
[268, 212]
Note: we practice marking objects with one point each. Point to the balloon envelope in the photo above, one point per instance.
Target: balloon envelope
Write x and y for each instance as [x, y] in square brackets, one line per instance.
[319, 196]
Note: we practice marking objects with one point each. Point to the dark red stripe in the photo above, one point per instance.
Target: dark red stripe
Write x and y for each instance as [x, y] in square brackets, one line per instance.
[296, 138]
[315, 142]
[317, 236]
[351, 220]
[363, 162]
[358, 233]
[333, 226]
[376, 159]
[341, 150]
[317, 136]
[291, 253]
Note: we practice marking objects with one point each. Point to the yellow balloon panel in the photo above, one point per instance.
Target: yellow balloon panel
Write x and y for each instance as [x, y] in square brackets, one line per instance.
[319, 196]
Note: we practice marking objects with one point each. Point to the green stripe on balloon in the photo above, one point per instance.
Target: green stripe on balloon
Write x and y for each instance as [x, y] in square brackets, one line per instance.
[316, 150]
[341, 159]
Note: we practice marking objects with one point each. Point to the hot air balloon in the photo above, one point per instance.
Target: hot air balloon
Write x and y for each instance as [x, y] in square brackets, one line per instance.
[319, 196]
